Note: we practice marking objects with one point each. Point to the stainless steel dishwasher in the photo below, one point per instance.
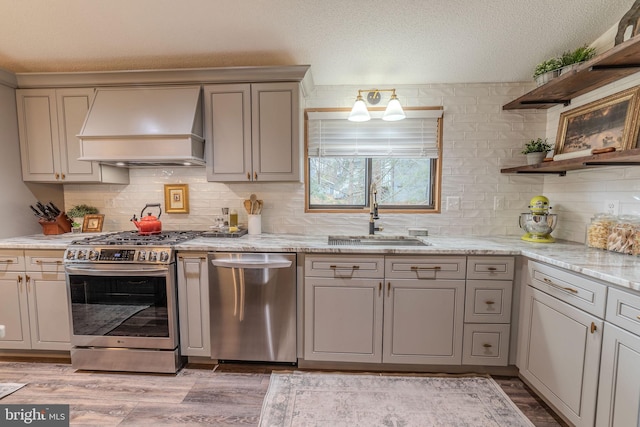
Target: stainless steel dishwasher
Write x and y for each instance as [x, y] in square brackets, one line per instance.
[252, 300]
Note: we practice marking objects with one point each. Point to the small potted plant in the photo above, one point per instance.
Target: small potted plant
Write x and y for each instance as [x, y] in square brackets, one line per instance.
[554, 67]
[77, 214]
[536, 150]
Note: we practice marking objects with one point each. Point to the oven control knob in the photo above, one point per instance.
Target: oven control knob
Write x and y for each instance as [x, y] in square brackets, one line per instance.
[142, 255]
[153, 256]
[93, 255]
[164, 256]
[71, 254]
[82, 254]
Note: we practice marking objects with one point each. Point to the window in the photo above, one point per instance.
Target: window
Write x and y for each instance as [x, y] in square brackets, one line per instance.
[344, 158]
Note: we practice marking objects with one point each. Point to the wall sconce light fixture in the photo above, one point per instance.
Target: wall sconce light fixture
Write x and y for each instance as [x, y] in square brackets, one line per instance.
[359, 112]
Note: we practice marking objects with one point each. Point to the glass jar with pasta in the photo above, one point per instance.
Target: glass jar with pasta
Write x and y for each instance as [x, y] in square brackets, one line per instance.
[598, 230]
[623, 233]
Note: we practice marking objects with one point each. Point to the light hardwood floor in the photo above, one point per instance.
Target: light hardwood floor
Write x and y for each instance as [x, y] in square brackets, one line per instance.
[199, 395]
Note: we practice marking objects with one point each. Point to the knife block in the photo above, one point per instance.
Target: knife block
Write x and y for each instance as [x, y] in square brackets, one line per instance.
[61, 225]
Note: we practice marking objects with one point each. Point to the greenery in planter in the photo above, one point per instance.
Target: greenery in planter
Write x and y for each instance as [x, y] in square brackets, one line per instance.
[536, 146]
[581, 54]
[79, 211]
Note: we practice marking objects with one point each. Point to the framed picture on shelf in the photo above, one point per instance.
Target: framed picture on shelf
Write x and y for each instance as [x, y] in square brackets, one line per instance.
[608, 122]
[176, 198]
[92, 223]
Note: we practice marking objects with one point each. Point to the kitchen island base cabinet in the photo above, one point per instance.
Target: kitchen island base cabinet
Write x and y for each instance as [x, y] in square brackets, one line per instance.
[619, 388]
[193, 301]
[33, 300]
[559, 354]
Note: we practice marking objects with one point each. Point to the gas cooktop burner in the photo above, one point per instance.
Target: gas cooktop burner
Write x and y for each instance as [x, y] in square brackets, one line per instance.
[133, 238]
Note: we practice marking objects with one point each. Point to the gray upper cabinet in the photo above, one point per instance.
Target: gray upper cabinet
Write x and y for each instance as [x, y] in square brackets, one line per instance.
[252, 132]
[48, 122]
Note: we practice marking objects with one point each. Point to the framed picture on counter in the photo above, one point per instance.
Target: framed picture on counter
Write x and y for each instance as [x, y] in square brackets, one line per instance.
[176, 198]
[92, 223]
[607, 122]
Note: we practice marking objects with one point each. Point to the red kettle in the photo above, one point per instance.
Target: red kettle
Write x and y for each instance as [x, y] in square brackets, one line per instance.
[148, 224]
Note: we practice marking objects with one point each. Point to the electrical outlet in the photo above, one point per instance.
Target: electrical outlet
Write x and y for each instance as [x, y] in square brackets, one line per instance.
[498, 203]
[612, 207]
[453, 203]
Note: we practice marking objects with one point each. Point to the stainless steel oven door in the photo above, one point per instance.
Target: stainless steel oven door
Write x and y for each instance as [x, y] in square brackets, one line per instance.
[123, 305]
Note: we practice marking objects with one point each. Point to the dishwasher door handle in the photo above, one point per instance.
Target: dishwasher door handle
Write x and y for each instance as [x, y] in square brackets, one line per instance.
[230, 263]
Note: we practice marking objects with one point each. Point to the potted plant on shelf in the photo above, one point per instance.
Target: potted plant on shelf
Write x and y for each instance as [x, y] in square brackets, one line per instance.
[77, 214]
[536, 150]
[554, 67]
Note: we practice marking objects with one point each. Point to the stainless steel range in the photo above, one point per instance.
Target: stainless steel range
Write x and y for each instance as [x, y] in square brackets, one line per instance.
[123, 297]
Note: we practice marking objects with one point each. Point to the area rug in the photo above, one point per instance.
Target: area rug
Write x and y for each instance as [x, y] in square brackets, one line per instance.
[7, 388]
[321, 399]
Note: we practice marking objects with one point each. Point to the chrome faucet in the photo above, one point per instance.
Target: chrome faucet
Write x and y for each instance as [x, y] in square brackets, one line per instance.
[373, 209]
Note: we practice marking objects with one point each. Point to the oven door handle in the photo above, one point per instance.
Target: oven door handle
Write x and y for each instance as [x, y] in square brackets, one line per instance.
[93, 271]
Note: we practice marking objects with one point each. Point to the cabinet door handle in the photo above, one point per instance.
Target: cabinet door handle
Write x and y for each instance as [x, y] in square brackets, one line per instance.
[6, 261]
[489, 302]
[562, 288]
[27, 280]
[249, 176]
[593, 327]
[388, 289]
[379, 288]
[255, 176]
[416, 268]
[353, 267]
[487, 345]
[62, 176]
[39, 261]
[57, 175]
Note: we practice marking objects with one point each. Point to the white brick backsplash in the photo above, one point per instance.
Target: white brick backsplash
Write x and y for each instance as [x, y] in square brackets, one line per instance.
[479, 139]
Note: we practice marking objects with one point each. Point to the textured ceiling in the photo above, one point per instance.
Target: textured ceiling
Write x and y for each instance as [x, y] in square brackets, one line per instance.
[345, 42]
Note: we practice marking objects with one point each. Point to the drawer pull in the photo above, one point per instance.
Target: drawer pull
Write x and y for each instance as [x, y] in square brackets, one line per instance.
[39, 261]
[6, 261]
[562, 288]
[489, 302]
[491, 268]
[416, 268]
[487, 345]
[593, 327]
[353, 267]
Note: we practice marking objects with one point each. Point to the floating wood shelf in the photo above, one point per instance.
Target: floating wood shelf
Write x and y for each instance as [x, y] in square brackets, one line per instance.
[614, 64]
[560, 167]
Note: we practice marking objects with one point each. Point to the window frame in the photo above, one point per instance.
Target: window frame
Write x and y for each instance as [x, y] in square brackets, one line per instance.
[436, 182]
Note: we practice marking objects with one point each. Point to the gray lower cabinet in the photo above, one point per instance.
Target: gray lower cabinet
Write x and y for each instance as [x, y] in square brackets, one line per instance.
[379, 309]
[560, 338]
[487, 315]
[33, 300]
[253, 132]
[193, 304]
[619, 385]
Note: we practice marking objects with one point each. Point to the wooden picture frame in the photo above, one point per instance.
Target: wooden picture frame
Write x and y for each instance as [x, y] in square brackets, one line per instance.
[176, 198]
[608, 122]
[92, 223]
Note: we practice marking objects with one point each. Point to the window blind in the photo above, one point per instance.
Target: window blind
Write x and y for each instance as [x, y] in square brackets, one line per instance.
[329, 136]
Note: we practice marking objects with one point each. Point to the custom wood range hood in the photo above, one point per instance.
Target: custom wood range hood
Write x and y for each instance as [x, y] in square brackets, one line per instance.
[144, 126]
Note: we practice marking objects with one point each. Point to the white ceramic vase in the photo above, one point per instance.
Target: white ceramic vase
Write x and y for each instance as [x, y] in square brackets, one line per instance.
[535, 158]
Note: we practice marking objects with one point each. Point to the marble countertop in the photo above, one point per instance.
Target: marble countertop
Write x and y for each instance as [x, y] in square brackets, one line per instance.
[622, 270]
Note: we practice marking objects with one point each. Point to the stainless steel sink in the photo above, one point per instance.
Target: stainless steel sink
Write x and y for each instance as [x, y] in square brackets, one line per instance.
[373, 240]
